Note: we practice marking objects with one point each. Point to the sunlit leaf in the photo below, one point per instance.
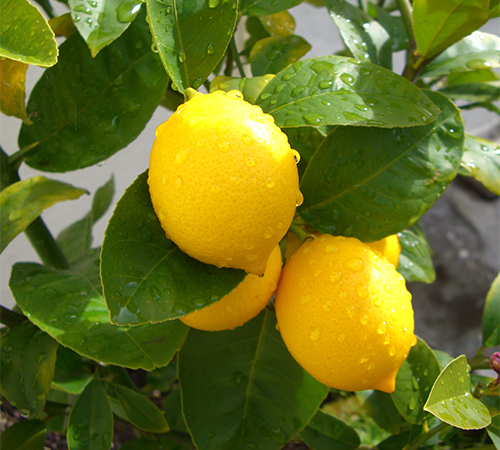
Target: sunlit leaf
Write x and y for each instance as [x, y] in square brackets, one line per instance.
[278, 24]
[249, 87]
[393, 24]
[12, 92]
[491, 318]
[415, 260]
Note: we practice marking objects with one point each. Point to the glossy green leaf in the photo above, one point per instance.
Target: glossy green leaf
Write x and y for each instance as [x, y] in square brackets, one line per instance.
[474, 92]
[451, 400]
[415, 260]
[75, 240]
[91, 420]
[381, 408]
[191, 37]
[249, 87]
[71, 374]
[477, 51]
[69, 306]
[326, 432]
[25, 435]
[362, 35]
[24, 201]
[25, 35]
[373, 182]
[473, 76]
[481, 160]
[414, 381]
[335, 90]
[140, 411]
[27, 367]
[242, 389]
[438, 25]
[394, 25]
[306, 141]
[491, 317]
[89, 108]
[146, 277]
[100, 22]
[265, 7]
[274, 53]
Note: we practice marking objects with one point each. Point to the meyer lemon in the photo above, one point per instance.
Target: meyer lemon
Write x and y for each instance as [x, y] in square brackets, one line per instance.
[389, 247]
[345, 314]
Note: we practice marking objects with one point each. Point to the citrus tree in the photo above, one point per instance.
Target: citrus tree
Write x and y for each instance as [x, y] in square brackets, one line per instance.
[250, 290]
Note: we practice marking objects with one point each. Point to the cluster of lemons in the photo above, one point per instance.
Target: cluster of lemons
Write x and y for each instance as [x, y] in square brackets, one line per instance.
[224, 183]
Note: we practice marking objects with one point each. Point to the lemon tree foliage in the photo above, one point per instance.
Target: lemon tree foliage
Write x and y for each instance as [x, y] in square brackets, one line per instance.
[270, 161]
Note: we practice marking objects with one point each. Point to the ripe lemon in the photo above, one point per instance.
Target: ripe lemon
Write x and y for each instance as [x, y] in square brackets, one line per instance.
[344, 314]
[223, 181]
[246, 301]
[389, 247]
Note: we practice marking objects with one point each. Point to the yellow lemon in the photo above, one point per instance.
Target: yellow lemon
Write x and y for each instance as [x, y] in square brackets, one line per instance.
[389, 247]
[223, 181]
[246, 301]
[345, 314]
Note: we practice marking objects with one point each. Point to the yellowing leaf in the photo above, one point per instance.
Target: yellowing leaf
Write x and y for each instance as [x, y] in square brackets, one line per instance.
[12, 92]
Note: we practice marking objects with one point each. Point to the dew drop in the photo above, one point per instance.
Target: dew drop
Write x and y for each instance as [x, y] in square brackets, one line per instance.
[299, 199]
[182, 56]
[355, 264]
[249, 160]
[247, 139]
[270, 182]
[296, 156]
[382, 328]
[362, 290]
[210, 49]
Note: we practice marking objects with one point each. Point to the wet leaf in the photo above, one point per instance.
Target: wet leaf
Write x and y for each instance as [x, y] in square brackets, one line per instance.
[306, 141]
[474, 92]
[373, 182]
[25, 435]
[25, 35]
[335, 90]
[249, 87]
[12, 92]
[146, 277]
[491, 318]
[451, 400]
[279, 24]
[24, 201]
[71, 374]
[242, 389]
[265, 7]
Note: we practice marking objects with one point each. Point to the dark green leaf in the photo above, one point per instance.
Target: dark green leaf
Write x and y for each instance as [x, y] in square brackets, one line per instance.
[362, 35]
[256, 31]
[394, 25]
[69, 306]
[399, 441]
[487, 105]
[100, 22]
[241, 389]
[326, 432]
[91, 420]
[146, 277]
[25, 435]
[75, 240]
[274, 53]
[265, 7]
[71, 374]
[415, 260]
[191, 37]
[161, 379]
[414, 382]
[173, 411]
[477, 51]
[443, 358]
[89, 108]
[494, 9]
[491, 318]
[306, 141]
[27, 367]
[494, 430]
[335, 90]
[474, 92]
[249, 87]
[381, 408]
[25, 35]
[142, 444]
[24, 201]
[481, 160]
[440, 24]
[140, 411]
[451, 400]
[373, 182]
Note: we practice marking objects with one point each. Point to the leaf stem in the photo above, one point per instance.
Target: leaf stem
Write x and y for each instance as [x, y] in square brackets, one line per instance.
[10, 318]
[236, 57]
[423, 439]
[17, 157]
[407, 12]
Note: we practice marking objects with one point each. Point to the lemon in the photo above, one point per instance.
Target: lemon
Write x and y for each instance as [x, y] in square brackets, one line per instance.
[389, 247]
[345, 314]
[242, 304]
[223, 181]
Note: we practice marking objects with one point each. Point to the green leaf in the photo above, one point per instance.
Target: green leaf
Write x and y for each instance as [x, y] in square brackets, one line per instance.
[249, 87]
[75, 240]
[306, 141]
[474, 76]
[493, 430]
[191, 37]
[69, 306]
[474, 92]
[335, 90]
[326, 432]
[140, 411]
[91, 420]
[100, 22]
[415, 260]
[278, 24]
[414, 382]
[274, 53]
[71, 373]
[146, 277]
[161, 379]
[477, 51]
[399, 441]
[25, 35]
[173, 411]
[381, 408]
[394, 25]
[373, 182]
[142, 444]
[25, 435]
[451, 400]
[491, 318]
[265, 7]
[24, 201]
[89, 108]
[438, 25]
[27, 367]
[242, 389]
[494, 9]
[362, 35]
